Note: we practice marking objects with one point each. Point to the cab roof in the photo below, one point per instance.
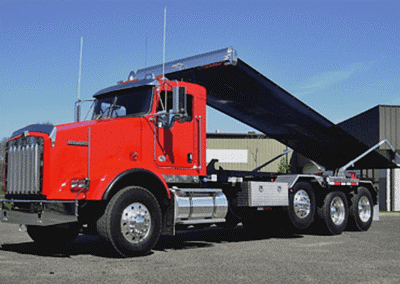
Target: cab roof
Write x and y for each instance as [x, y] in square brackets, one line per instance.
[128, 85]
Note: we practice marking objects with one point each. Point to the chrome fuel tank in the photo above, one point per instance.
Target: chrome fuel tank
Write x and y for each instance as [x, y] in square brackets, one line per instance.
[199, 205]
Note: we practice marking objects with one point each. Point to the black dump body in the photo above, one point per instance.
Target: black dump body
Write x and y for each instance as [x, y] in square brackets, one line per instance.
[238, 90]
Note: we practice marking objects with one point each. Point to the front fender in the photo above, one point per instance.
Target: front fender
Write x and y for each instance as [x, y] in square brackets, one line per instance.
[140, 177]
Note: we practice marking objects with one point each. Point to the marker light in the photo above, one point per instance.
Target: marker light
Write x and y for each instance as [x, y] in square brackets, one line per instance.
[77, 184]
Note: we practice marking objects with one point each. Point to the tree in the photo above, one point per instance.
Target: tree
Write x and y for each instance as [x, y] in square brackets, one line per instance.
[284, 167]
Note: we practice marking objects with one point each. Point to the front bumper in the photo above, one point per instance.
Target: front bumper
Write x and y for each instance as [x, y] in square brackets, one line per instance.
[38, 212]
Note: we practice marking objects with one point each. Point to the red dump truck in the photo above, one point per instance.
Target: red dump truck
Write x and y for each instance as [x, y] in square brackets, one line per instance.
[137, 169]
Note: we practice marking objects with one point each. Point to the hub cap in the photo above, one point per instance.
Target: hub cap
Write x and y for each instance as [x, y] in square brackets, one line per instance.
[301, 204]
[338, 212]
[364, 209]
[135, 222]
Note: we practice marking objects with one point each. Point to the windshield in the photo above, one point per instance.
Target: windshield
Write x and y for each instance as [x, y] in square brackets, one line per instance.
[129, 102]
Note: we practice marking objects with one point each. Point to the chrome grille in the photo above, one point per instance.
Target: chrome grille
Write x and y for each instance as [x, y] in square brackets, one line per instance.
[24, 166]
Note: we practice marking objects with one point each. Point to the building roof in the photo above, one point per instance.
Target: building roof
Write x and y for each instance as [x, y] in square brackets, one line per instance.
[249, 135]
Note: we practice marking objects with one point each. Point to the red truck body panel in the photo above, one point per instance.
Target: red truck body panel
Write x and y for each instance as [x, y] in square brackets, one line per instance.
[103, 149]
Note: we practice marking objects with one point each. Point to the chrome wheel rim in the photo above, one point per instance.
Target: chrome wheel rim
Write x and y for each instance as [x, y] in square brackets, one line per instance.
[135, 223]
[337, 211]
[364, 209]
[301, 204]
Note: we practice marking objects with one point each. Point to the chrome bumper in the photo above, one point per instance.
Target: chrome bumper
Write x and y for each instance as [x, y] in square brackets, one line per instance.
[38, 212]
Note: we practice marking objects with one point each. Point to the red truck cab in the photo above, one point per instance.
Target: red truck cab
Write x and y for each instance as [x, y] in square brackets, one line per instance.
[133, 128]
[149, 134]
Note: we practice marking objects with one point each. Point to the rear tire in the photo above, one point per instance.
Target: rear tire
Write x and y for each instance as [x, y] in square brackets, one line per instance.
[302, 205]
[334, 212]
[131, 221]
[361, 211]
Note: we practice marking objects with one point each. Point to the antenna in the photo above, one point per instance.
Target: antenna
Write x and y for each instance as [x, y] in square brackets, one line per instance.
[165, 27]
[78, 103]
[80, 71]
[145, 41]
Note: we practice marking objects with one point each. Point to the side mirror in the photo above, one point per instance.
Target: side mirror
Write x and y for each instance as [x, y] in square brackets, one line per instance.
[178, 112]
[179, 103]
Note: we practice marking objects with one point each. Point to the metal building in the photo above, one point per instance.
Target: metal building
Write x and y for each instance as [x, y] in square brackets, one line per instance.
[244, 152]
[372, 126]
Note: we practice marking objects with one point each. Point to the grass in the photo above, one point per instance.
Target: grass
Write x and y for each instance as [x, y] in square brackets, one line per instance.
[389, 212]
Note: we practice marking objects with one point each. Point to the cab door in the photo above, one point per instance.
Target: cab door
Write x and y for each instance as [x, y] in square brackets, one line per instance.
[175, 138]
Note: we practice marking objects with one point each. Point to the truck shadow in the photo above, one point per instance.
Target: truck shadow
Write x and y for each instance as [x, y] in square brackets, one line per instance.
[189, 239]
[208, 237]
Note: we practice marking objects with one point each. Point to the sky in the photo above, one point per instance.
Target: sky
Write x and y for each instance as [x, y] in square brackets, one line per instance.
[339, 57]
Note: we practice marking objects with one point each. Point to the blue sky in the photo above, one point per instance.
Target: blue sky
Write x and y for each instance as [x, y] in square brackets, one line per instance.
[339, 57]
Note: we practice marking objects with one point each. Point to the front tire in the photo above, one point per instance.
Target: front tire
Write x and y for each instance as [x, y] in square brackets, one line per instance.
[131, 221]
[334, 212]
[361, 210]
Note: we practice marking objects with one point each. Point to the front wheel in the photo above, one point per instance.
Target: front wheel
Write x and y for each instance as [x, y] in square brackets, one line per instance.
[301, 205]
[131, 221]
[334, 212]
[361, 210]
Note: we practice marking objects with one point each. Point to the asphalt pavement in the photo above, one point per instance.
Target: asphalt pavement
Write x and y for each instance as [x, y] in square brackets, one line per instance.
[213, 255]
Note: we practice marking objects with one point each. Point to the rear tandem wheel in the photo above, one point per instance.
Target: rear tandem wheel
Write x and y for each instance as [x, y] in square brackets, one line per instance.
[361, 210]
[334, 212]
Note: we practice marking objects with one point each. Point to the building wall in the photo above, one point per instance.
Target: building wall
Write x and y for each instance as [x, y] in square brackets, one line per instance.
[396, 193]
[384, 184]
[389, 128]
[371, 127]
[258, 147]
